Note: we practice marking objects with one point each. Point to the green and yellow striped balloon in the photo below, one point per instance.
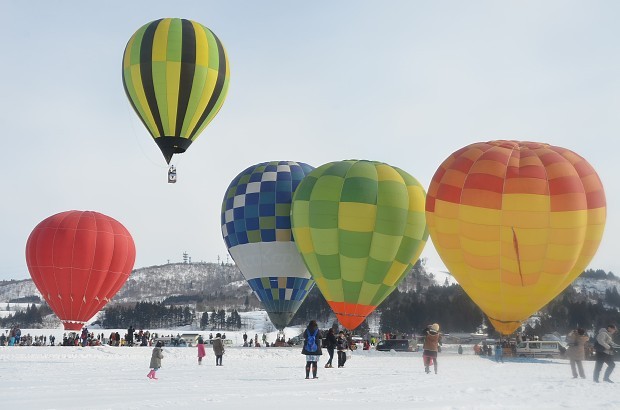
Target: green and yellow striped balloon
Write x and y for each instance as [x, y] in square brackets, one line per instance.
[175, 74]
[360, 227]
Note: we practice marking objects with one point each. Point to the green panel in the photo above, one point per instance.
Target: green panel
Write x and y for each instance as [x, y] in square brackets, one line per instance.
[354, 244]
[304, 189]
[267, 222]
[214, 58]
[283, 209]
[351, 291]
[352, 268]
[394, 194]
[325, 241]
[313, 266]
[391, 221]
[367, 293]
[300, 215]
[416, 225]
[198, 85]
[175, 41]
[323, 214]
[384, 247]
[357, 189]
[364, 169]
[376, 271]
[409, 180]
[327, 188]
[381, 294]
[338, 169]
[134, 55]
[161, 94]
[330, 265]
[254, 236]
[408, 249]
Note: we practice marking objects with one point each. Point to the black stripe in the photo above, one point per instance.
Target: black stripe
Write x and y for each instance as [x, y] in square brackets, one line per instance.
[188, 66]
[146, 72]
[219, 85]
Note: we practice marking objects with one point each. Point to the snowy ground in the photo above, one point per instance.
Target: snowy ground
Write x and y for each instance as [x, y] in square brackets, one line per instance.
[273, 378]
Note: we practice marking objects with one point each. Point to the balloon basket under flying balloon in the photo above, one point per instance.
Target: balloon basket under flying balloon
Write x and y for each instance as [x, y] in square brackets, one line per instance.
[172, 175]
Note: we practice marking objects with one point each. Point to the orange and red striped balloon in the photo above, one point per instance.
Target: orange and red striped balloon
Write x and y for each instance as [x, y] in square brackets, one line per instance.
[515, 223]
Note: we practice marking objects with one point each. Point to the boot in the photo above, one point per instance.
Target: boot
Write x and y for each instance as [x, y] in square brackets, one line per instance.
[426, 369]
[153, 376]
[314, 376]
[307, 372]
[151, 373]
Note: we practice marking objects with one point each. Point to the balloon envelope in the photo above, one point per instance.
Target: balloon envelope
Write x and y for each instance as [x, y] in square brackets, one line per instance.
[79, 260]
[175, 74]
[360, 227]
[256, 227]
[515, 223]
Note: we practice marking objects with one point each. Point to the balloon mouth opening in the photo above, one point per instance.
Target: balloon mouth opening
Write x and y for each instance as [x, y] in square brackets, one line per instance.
[72, 325]
[172, 145]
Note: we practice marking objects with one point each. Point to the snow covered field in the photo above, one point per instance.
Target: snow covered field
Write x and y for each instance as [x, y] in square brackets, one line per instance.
[273, 378]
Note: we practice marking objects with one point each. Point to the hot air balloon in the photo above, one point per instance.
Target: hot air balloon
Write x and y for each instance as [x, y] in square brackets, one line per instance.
[256, 226]
[79, 260]
[515, 223]
[360, 227]
[175, 74]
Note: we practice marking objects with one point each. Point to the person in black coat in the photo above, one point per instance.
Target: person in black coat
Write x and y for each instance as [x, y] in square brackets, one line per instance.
[312, 348]
[342, 345]
[330, 344]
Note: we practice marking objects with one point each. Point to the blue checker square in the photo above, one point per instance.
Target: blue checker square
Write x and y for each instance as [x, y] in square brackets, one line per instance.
[230, 203]
[267, 209]
[268, 186]
[271, 168]
[252, 199]
[284, 176]
[252, 224]
[256, 177]
[267, 235]
[241, 189]
[283, 222]
[268, 198]
[239, 225]
[283, 197]
[242, 237]
[238, 213]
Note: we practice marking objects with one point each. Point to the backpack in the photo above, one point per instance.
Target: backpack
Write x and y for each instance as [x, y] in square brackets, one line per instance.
[311, 342]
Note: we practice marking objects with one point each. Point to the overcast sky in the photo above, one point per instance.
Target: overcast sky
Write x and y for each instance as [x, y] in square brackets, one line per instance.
[403, 82]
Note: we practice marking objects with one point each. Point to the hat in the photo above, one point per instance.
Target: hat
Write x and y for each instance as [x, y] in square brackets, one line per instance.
[435, 327]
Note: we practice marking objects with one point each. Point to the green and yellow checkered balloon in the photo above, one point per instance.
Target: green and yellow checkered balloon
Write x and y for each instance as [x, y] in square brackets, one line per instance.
[360, 227]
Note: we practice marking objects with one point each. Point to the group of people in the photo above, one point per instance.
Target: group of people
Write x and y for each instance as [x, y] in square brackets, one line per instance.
[157, 355]
[603, 348]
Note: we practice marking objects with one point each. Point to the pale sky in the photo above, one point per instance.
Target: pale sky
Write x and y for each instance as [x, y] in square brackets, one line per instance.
[402, 82]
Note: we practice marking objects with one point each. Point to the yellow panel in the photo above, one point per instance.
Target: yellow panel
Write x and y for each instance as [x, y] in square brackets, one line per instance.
[352, 269]
[447, 241]
[313, 266]
[332, 290]
[446, 209]
[569, 219]
[567, 236]
[357, 217]
[303, 239]
[526, 236]
[367, 293]
[480, 248]
[160, 41]
[202, 45]
[478, 215]
[481, 262]
[526, 202]
[447, 226]
[173, 78]
[396, 270]
[127, 54]
[478, 232]
[417, 198]
[147, 116]
[415, 225]
[597, 216]
[526, 219]
[387, 173]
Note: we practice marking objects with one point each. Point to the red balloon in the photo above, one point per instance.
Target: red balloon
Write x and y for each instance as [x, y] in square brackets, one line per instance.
[79, 260]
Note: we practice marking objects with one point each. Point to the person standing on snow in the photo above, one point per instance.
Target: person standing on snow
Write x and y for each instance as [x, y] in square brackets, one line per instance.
[576, 351]
[330, 341]
[604, 347]
[201, 349]
[432, 340]
[156, 360]
[218, 349]
[312, 348]
[342, 346]
[499, 352]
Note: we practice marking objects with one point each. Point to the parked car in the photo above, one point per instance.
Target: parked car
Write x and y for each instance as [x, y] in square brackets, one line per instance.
[540, 348]
[399, 345]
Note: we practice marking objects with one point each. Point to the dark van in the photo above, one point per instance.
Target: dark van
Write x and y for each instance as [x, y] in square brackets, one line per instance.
[399, 345]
